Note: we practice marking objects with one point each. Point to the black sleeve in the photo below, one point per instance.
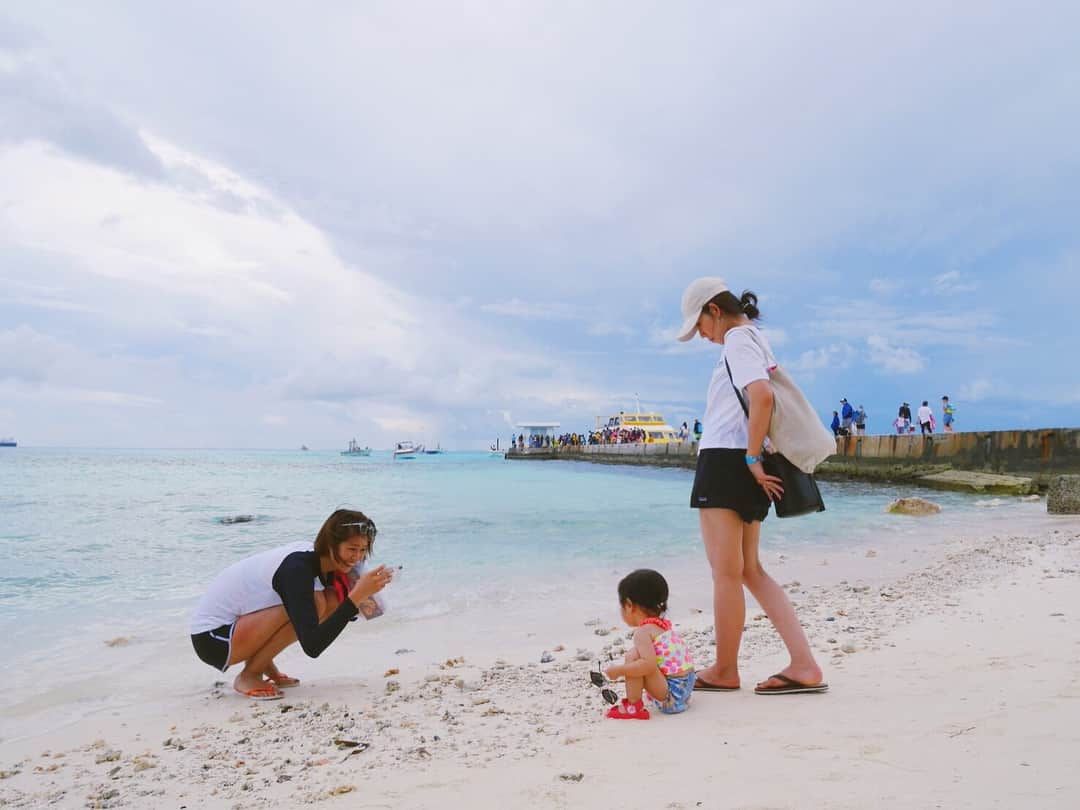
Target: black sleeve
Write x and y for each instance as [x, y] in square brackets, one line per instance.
[293, 582]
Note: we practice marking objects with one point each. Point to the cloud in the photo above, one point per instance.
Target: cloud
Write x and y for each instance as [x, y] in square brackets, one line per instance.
[811, 361]
[892, 358]
[897, 322]
[41, 102]
[607, 328]
[883, 286]
[975, 391]
[952, 282]
[776, 336]
[249, 293]
[540, 310]
[180, 239]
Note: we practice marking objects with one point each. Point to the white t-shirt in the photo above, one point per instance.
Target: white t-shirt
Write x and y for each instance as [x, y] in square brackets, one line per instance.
[242, 588]
[725, 425]
[925, 415]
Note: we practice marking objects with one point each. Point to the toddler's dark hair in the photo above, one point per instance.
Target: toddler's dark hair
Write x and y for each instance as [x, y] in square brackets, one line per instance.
[645, 588]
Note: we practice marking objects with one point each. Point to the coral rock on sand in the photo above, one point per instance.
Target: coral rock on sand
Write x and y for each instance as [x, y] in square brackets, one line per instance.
[1063, 497]
[912, 506]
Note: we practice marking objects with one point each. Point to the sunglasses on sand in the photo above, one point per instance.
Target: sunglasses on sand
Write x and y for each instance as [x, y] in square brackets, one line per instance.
[598, 679]
[364, 527]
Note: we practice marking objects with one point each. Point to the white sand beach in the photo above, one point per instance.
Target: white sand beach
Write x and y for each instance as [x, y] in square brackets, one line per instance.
[959, 689]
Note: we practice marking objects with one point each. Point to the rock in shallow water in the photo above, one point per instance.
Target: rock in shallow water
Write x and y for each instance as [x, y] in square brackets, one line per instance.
[228, 521]
[912, 506]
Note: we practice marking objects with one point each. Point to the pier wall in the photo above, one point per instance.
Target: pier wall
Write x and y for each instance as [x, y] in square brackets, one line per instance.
[1037, 454]
[1028, 452]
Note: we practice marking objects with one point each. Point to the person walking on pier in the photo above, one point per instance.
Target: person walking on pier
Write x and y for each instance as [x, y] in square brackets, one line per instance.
[847, 415]
[860, 421]
[948, 417]
[732, 491]
[905, 414]
[926, 418]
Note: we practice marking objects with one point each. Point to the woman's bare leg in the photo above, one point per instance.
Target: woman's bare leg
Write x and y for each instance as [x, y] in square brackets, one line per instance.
[260, 636]
[722, 533]
[774, 601]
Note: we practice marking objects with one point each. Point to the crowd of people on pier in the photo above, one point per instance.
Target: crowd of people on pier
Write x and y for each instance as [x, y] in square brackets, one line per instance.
[849, 421]
[606, 435]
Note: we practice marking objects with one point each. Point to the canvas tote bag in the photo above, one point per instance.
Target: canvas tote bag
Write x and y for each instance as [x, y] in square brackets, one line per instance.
[801, 494]
[795, 429]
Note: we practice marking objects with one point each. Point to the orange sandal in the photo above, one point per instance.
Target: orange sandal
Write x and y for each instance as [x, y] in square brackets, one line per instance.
[268, 692]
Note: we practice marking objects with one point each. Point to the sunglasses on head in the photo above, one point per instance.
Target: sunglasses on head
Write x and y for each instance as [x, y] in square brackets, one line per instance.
[598, 679]
[364, 527]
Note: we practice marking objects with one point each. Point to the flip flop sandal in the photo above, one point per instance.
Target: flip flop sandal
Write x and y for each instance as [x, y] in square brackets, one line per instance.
[261, 693]
[790, 687]
[702, 685]
[283, 681]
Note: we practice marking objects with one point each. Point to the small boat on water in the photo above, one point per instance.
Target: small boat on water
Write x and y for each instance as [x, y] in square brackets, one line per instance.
[434, 451]
[494, 449]
[355, 450]
[8, 442]
[407, 450]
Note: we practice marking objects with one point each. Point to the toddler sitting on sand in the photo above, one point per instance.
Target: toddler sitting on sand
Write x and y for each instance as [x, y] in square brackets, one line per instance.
[660, 662]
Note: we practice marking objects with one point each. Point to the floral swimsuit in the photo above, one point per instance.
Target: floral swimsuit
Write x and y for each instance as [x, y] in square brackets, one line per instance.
[676, 663]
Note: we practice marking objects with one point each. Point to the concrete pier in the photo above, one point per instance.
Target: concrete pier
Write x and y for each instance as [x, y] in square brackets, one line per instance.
[998, 462]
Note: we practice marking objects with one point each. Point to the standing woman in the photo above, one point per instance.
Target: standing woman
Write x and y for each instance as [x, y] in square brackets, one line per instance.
[732, 492]
[260, 605]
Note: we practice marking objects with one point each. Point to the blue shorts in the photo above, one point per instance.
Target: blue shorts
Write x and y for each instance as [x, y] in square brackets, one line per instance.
[948, 419]
[680, 690]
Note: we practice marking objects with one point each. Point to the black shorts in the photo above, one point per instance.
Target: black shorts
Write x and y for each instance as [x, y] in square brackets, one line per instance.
[723, 481]
[214, 646]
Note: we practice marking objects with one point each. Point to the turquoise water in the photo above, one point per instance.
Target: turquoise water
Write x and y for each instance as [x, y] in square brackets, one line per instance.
[103, 542]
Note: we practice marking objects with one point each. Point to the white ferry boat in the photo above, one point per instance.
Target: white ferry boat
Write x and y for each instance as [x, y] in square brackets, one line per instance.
[407, 450]
[656, 430]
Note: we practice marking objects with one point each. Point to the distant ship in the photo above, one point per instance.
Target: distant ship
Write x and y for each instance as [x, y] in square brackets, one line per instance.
[355, 450]
[652, 425]
[434, 451]
[9, 442]
[407, 450]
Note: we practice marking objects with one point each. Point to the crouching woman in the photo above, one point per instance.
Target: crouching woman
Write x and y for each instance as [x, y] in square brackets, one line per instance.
[260, 605]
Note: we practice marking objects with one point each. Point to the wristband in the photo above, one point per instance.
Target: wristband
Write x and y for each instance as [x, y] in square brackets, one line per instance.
[753, 459]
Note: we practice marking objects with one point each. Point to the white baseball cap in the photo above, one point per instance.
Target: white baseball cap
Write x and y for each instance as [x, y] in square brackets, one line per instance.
[700, 292]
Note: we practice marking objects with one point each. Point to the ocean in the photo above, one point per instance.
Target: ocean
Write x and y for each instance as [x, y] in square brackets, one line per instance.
[99, 544]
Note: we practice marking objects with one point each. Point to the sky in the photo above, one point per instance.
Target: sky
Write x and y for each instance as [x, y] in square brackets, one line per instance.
[261, 225]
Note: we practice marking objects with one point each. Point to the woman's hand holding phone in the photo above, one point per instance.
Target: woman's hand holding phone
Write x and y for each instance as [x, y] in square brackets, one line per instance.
[370, 583]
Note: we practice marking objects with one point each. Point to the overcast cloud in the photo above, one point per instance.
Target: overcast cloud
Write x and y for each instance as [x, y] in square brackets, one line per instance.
[265, 225]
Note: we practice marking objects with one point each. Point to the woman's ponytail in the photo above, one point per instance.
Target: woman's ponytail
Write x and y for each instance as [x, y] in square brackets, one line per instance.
[727, 302]
[748, 304]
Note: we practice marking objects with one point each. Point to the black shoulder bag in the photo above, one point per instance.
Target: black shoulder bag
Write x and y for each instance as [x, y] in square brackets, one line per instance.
[801, 494]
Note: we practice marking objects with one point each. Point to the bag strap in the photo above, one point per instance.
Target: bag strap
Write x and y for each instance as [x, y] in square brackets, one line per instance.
[738, 393]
